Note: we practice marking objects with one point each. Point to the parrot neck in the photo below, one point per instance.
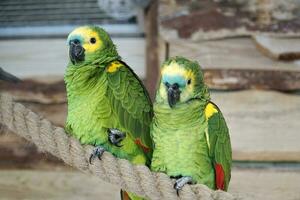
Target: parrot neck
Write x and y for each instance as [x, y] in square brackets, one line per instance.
[81, 78]
[102, 60]
[105, 59]
[183, 114]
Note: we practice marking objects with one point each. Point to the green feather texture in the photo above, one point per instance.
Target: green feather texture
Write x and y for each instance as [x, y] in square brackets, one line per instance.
[220, 146]
[99, 99]
[189, 139]
[180, 143]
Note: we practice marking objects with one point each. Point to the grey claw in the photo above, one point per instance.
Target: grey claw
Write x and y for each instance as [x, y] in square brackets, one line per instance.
[97, 152]
[115, 136]
[182, 182]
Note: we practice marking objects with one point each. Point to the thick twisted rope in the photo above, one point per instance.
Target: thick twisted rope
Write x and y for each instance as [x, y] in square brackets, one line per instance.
[134, 178]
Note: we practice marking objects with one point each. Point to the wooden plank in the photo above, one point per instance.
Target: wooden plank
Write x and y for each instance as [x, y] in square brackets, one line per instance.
[286, 49]
[234, 53]
[259, 184]
[54, 184]
[16, 152]
[236, 64]
[264, 125]
[30, 90]
[238, 79]
[202, 20]
[47, 99]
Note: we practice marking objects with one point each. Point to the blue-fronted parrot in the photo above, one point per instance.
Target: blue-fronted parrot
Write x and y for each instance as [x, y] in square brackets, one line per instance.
[108, 106]
[190, 135]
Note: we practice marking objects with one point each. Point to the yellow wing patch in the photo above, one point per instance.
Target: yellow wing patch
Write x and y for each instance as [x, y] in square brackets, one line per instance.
[210, 109]
[114, 66]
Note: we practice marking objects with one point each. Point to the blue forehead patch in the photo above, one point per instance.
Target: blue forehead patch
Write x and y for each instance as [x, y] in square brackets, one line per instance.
[180, 80]
[74, 37]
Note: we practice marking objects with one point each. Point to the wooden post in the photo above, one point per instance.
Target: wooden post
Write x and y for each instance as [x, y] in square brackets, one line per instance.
[152, 54]
[263, 12]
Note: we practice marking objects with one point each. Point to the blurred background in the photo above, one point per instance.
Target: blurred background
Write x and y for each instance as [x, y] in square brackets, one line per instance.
[249, 51]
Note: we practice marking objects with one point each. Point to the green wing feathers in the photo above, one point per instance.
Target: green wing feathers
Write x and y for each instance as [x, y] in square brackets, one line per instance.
[219, 145]
[131, 102]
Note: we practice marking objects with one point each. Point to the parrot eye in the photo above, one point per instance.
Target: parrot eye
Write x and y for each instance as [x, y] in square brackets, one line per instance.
[93, 40]
[189, 81]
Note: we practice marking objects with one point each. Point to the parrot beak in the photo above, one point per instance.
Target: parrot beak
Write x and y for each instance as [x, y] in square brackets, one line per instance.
[173, 94]
[76, 51]
[5, 76]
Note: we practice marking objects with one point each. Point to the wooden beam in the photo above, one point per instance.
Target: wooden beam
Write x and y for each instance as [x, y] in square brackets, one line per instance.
[237, 79]
[286, 49]
[204, 20]
[152, 55]
[16, 152]
[31, 90]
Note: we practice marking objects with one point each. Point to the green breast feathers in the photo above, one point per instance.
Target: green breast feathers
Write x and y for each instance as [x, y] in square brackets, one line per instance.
[180, 142]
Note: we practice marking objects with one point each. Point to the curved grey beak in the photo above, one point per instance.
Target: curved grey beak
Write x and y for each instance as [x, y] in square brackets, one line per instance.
[173, 94]
[76, 51]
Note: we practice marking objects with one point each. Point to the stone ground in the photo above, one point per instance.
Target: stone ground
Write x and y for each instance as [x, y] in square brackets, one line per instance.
[264, 127]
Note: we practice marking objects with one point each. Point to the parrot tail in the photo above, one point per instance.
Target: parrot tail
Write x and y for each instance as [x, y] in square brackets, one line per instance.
[220, 177]
[129, 196]
[124, 195]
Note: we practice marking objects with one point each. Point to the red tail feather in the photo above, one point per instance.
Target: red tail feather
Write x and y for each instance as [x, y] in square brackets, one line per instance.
[124, 195]
[138, 142]
[220, 177]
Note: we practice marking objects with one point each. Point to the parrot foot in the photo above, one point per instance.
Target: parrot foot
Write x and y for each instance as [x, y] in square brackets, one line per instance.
[115, 136]
[97, 152]
[182, 182]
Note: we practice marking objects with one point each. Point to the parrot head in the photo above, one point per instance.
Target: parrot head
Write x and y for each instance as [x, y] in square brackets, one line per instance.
[89, 43]
[181, 82]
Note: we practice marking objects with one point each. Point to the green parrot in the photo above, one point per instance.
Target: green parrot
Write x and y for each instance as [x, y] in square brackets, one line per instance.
[108, 106]
[190, 136]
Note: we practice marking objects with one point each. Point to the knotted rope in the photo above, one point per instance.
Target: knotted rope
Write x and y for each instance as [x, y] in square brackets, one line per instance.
[134, 178]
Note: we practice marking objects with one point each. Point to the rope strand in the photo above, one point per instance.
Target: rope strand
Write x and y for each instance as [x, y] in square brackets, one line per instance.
[134, 178]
